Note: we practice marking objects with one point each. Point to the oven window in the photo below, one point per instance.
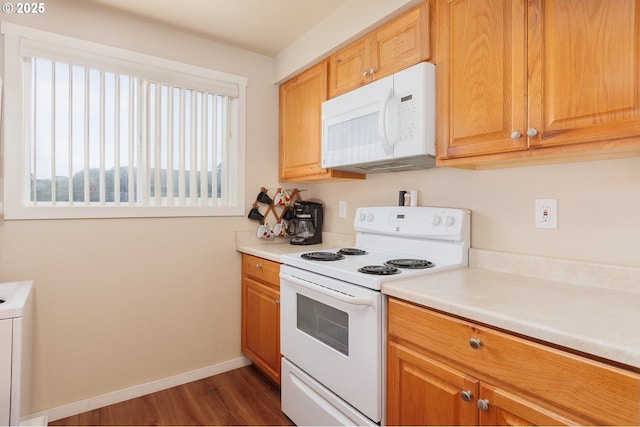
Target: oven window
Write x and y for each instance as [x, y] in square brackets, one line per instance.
[324, 323]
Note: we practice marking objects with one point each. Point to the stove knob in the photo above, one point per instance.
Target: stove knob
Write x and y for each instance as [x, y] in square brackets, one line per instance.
[436, 220]
[448, 220]
[362, 216]
[370, 217]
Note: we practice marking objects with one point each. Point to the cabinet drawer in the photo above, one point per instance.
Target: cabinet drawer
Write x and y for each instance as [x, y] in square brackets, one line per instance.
[606, 394]
[261, 269]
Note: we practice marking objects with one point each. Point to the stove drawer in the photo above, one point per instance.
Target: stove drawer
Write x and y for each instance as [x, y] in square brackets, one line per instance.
[597, 390]
[261, 269]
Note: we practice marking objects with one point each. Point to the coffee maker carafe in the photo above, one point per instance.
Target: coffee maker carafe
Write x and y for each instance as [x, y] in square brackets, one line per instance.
[306, 225]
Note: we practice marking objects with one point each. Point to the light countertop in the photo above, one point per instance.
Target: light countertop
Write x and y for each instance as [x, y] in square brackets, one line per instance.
[598, 321]
[248, 243]
[592, 308]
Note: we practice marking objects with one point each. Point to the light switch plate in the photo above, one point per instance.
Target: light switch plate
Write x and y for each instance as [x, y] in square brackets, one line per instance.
[342, 209]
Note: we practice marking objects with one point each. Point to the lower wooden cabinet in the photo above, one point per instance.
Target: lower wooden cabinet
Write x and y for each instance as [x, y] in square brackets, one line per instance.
[261, 314]
[442, 370]
[422, 391]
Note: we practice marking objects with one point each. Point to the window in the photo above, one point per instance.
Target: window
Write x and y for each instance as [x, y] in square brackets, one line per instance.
[104, 132]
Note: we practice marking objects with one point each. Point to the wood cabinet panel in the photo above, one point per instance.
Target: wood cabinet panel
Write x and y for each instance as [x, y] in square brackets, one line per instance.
[415, 380]
[552, 375]
[301, 123]
[261, 314]
[350, 67]
[509, 409]
[301, 128]
[399, 44]
[261, 269]
[481, 76]
[403, 42]
[584, 67]
[537, 81]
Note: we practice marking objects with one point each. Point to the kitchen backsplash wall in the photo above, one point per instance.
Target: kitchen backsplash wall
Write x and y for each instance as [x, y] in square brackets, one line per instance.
[598, 206]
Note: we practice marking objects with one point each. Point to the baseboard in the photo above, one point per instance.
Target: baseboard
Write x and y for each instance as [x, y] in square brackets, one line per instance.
[117, 396]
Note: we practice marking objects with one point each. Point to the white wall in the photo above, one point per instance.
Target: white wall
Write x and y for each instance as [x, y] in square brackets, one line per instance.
[124, 302]
[598, 203]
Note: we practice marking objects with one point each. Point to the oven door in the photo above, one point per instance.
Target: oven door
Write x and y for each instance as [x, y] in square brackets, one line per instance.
[332, 330]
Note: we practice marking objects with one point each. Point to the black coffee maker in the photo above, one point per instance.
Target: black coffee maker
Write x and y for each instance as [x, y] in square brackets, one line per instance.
[306, 226]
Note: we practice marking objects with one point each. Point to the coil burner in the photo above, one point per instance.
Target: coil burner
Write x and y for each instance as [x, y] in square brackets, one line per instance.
[380, 270]
[352, 251]
[322, 256]
[410, 263]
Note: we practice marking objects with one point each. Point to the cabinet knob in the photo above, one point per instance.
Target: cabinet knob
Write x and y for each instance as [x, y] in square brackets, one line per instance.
[475, 343]
[483, 404]
[516, 135]
[531, 132]
[277, 302]
[466, 395]
[365, 73]
[372, 71]
[258, 265]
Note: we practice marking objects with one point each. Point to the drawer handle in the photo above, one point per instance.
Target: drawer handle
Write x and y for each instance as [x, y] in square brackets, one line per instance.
[475, 343]
[483, 404]
[258, 265]
[466, 395]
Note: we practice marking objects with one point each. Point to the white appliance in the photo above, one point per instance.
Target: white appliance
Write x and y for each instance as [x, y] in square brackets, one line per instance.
[388, 125]
[332, 313]
[16, 313]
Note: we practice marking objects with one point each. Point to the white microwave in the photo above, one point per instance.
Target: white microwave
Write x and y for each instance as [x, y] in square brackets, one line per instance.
[385, 126]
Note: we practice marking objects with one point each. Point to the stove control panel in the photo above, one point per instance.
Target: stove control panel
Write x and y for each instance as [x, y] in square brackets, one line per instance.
[415, 221]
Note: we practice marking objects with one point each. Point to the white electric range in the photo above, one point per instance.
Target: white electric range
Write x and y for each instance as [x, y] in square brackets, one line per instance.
[332, 311]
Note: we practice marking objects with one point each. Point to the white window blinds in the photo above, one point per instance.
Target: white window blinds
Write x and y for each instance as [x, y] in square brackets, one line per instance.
[115, 129]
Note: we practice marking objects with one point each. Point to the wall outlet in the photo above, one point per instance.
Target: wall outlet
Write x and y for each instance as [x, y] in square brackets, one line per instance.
[342, 208]
[546, 213]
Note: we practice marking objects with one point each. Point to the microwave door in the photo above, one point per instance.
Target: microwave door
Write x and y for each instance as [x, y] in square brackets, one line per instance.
[352, 123]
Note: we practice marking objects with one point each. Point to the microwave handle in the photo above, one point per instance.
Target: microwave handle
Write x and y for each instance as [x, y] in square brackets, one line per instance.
[328, 292]
[384, 123]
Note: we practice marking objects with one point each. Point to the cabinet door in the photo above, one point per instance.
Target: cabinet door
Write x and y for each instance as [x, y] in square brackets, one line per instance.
[481, 76]
[584, 66]
[301, 123]
[261, 326]
[402, 43]
[508, 409]
[422, 391]
[301, 128]
[350, 67]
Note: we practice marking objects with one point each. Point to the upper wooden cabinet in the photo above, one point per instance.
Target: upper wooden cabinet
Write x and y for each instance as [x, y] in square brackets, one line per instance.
[399, 44]
[392, 47]
[523, 79]
[301, 127]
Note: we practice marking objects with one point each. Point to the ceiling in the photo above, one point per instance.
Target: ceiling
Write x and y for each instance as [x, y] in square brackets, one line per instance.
[261, 26]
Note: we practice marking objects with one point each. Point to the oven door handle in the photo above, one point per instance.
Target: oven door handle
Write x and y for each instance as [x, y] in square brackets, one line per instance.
[362, 301]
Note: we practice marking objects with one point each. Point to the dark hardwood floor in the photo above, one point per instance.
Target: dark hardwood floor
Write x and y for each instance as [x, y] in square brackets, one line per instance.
[239, 397]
